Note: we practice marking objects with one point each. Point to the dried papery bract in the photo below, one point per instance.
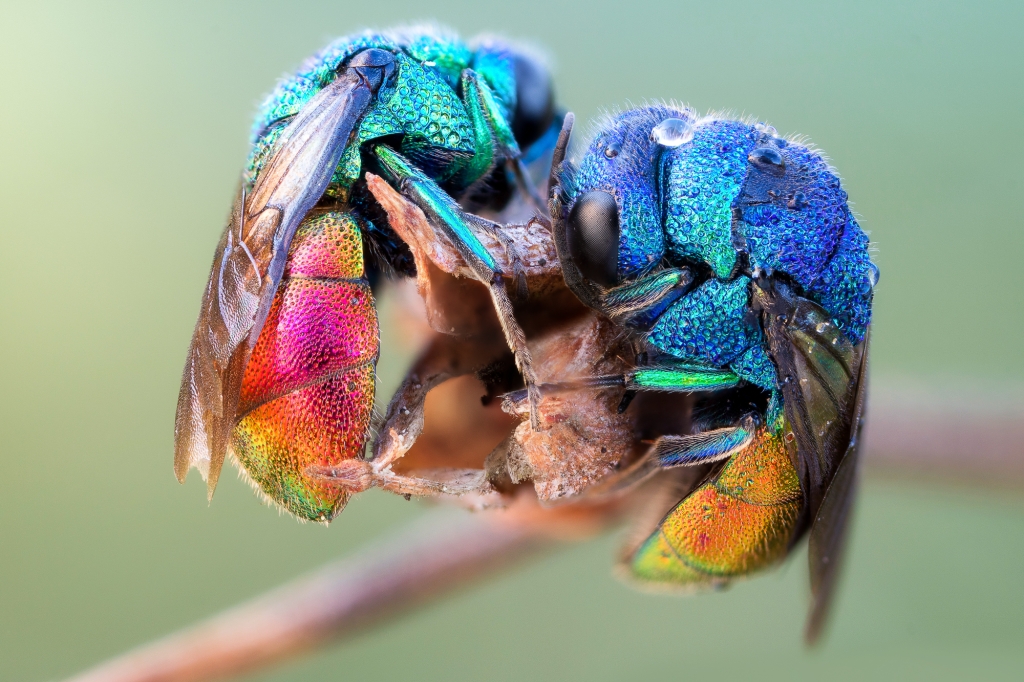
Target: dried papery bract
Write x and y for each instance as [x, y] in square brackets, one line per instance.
[446, 409]
[583, 437]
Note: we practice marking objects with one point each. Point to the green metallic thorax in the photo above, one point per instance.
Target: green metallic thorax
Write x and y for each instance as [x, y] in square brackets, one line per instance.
[418, 104]
[459, 137]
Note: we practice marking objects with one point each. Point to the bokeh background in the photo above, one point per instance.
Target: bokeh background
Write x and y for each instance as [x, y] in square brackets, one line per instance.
[124, 127]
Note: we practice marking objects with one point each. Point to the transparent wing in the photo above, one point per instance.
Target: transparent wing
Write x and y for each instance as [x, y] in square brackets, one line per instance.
[250, 260]
[819, 373]
[829, 529]
[823, 380]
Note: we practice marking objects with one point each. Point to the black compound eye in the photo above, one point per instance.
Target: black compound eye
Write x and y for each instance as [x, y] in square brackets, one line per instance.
[535, 101]
[592, 234]
[612, 150]
[768, 159]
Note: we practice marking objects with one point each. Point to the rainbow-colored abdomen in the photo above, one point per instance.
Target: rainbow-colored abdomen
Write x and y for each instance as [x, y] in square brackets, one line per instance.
[308, 390]
[741, 521]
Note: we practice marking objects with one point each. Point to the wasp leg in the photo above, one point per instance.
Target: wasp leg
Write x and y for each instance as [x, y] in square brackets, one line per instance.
[459, 227]
[515, 259]
[704, 447]
[517, 342]
[494, 138]
[667, 451]
[441, 210]
[671, 452]
[638, 303]
[447, 357]
[357, 476]
[445, 214]
[669, 379]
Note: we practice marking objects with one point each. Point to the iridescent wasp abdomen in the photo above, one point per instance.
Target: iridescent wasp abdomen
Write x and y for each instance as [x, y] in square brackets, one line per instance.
[731, 255]
[281, 367]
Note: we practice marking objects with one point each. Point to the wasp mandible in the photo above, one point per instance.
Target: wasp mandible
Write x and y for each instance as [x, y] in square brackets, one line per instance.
[281, 367]
[731, 256]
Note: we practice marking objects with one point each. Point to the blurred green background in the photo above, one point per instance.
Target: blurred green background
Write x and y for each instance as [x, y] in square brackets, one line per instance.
[124, 130]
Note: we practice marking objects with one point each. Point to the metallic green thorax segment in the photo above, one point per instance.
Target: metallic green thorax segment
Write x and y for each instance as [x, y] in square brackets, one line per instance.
[433, 201]
[681, 379]
[293, 93]
[443, 109]
[447, 53]
[418, 103]
[491, 133]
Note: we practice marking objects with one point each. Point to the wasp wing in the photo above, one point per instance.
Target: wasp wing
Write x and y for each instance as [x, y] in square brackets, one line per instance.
[822, 377]
[827, 541]
[250, 260]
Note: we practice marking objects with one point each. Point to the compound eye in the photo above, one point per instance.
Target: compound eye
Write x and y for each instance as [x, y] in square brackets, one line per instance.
[592, 233]
[535, 101]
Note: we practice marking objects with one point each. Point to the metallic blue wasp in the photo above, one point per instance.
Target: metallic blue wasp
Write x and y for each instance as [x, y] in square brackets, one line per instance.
[732, 255]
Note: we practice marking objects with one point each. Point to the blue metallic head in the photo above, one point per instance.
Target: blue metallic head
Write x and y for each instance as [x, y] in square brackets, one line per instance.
[622, 162]
[658, 186]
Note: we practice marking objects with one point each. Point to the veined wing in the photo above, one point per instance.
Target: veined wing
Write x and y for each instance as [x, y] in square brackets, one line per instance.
[250, 260]
[823, 381]
[829, 529]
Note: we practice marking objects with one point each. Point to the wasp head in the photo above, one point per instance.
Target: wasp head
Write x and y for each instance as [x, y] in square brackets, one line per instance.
[658, 186]
[613, 230]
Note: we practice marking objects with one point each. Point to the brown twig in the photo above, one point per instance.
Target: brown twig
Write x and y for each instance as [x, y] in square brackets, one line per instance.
[963, 435]
[440, 552]
[919, 436]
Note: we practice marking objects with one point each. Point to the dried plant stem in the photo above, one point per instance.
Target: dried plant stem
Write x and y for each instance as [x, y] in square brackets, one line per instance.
[949, 435]
[446, 550]
[443, 551]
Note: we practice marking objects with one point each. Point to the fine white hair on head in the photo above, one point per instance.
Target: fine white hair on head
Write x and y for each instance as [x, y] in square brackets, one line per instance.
[581, 138]
[607, 117]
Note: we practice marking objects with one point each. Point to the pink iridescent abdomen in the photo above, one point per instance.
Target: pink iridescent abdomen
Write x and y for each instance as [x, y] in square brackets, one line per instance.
[308, 391]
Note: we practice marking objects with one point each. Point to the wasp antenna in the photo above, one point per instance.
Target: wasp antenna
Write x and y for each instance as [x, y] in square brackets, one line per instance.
[558, 156]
